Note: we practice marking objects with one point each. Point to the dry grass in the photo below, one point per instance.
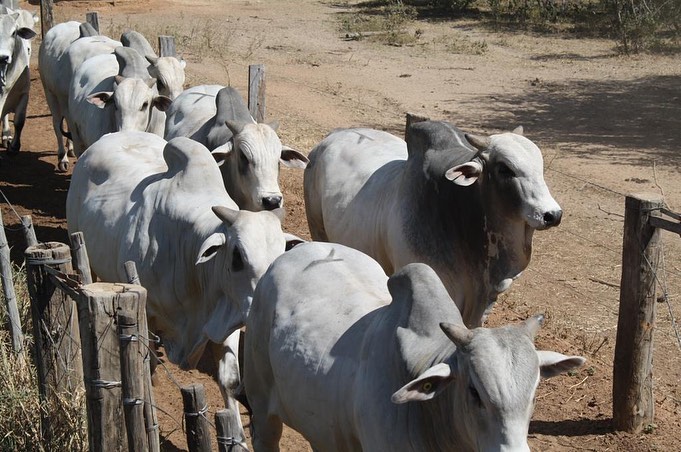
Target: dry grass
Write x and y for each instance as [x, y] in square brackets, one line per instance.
[20, 405]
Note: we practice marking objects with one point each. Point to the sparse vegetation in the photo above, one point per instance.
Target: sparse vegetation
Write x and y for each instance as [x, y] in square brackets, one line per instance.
[20, 404]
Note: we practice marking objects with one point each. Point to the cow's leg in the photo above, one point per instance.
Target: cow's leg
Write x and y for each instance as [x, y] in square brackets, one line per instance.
[266, 432]
[6, 132]
[57, 117]
[19, 121]
[227, 375]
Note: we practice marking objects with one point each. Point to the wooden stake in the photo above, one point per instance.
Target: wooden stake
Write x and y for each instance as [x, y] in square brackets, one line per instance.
[29, 232]
[80, 257]
[132, 379]
[229, 432]
[256, 91]
[633, 401]
[46, 16]
[195, 409]
[55, 327]
[166, 46]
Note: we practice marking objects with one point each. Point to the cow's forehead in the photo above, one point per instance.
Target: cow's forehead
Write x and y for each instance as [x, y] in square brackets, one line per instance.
[504, 361]
[260, 141]
[8, 24]
[516, 151]
[133, 90]
[259, 232]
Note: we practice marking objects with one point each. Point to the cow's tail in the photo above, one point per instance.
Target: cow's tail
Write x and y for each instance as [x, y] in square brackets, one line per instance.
[64, 132]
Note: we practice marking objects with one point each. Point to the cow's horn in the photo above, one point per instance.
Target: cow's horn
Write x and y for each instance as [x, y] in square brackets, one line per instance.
[151, 59]
[478, 141]
[235, 126]
[519, 130]
[151, 82]
[460, 335]
[119, 79]
[226, 214]
[533, 324]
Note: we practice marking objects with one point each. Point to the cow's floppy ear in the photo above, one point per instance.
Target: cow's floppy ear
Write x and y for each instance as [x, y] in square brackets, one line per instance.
[162, 102]
[553, 363]
[100, 99]
[291, 158]
[426, 386]
[292, 241]
[220, 153]
[465, 174]
[26, 33]
[210, 247]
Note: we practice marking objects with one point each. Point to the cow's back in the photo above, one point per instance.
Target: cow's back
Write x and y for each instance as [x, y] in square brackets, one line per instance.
[295, 318]
[190, 113]
[100, 194]
[351, 185]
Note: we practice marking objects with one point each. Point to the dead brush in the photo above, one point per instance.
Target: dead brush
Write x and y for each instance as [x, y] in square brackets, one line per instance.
[20, 406]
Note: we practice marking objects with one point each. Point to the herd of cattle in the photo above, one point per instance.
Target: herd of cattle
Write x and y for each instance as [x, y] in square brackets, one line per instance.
[367, 338]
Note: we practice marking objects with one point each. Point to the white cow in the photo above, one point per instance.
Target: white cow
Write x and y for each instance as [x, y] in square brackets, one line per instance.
[61, 54]
[434, 199]
[249, 153]
[101, 101]
[168, 70]
[164, 207]
[354, 366]
[15, 80]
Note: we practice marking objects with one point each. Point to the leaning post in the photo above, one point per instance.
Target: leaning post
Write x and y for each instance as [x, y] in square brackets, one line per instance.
[633, 401]
[13, 318]
[256, 91]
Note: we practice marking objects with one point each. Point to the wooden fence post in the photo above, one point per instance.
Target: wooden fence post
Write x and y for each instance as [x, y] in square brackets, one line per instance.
[80, 257]
[132, 378]
[256, 91]
[93, 19]
[55, 327]
[412, 119]
[633, 401]
[97, 308]
[9, 293]
[225, 425]
[150, 418]
[46, 16]
[166, 46]
[195, 409]
[29, 231]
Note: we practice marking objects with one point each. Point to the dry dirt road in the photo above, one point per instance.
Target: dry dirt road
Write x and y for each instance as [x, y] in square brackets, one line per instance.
[607, 126]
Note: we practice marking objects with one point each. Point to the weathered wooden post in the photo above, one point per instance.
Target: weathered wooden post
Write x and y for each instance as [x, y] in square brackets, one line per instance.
[46, 16]
[132, 378]
[98, 305]
[225, 425]
[9, 293]
[256, 91]
[150, 418]
[633, 401]
[29, 232]
[413, 118]
[55, 326]
[93, 19]
[195, 409]
[166, 46]
[80, 257]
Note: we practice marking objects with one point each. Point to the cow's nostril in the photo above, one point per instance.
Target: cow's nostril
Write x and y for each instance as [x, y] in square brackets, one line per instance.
[271, 202]
[553, 218]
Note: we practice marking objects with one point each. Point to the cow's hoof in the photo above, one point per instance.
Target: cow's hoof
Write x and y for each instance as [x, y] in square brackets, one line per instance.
[63, 167]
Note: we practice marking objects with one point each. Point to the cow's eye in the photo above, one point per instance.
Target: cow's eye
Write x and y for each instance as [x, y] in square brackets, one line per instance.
[504, 171]
[237, 261]
[475, 395]
[144, 106]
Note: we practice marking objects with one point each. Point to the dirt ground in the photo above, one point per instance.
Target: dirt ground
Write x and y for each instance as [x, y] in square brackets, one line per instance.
[607, 126]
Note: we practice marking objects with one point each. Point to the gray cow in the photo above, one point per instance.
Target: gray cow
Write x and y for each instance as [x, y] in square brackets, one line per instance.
[465, 205]
[249, 153]
[354, 365]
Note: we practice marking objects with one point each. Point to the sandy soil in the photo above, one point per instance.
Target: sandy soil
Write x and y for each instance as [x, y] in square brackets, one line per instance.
[607, 126]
